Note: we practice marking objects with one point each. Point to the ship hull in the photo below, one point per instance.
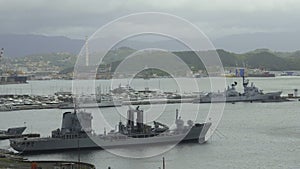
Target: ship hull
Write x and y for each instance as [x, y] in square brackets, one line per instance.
[268, 97]
[13, 80]
[106, 142]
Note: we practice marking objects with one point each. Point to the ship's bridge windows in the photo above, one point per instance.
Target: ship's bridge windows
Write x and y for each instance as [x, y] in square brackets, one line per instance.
[71, 136]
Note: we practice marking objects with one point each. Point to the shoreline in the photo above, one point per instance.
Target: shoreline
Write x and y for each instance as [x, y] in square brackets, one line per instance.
[9, 159]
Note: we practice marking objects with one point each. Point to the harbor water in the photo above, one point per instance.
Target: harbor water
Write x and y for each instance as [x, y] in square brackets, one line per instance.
[250, 135]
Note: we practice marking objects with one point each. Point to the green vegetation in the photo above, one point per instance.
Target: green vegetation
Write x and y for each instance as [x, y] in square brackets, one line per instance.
[62, 60]
[151, 72]
[260, 58]
[14, 164]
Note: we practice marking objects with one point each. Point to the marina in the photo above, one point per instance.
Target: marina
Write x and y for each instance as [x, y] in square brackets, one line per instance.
[28, 99]
[272, 125]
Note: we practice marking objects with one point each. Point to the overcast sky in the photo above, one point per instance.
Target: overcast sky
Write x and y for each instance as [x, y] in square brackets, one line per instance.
[217, 18]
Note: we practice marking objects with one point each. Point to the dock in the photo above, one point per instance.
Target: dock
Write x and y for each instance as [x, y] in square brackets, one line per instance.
[158, 101]
[27, 102]
[11, 160]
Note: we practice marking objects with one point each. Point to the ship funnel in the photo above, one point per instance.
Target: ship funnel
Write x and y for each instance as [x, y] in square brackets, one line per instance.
[130, 118]
[139, 119]
[76, 122]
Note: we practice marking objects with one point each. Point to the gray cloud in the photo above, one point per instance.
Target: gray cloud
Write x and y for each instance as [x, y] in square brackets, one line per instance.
[216, 18]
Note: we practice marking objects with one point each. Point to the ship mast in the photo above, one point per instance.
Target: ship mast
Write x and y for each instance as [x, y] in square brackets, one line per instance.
[245, 82]
[1, 53]
[86, 52]
[1, 56]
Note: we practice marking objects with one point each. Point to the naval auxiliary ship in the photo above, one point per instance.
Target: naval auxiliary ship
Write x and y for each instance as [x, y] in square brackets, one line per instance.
[76, 132]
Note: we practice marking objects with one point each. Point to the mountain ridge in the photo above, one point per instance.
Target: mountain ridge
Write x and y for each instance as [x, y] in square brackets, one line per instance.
[18, 45]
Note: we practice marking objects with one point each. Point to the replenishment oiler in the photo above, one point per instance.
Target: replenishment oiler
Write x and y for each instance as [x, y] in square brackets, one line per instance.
[76, 132]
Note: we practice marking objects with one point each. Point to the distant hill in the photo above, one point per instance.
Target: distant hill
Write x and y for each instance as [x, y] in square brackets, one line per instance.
[23, 45]
[64, 50]
[266, 60]
[277, 41]
[261, 58]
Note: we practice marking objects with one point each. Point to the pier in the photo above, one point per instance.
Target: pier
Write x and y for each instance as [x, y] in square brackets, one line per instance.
[9, 159]
[64, 100]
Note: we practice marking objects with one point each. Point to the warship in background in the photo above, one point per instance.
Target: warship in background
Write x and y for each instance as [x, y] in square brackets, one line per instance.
[10, 78]
[12, 132]
[76, 132]
[251, 94]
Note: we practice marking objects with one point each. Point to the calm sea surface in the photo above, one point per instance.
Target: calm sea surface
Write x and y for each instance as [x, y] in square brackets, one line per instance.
[250, 135]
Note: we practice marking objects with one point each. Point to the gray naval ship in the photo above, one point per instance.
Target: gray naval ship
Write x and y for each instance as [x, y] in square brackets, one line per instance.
[251, 94]
[15, 132]
[12, 132]
[76, 132]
